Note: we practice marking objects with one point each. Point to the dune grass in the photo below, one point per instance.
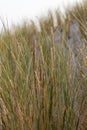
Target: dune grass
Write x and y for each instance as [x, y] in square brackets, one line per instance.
[43, 85]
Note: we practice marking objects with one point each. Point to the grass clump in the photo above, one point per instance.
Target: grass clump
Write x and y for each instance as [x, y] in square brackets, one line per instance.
[43, 83]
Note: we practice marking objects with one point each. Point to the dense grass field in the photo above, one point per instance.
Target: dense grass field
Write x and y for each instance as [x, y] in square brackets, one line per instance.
[43, 73]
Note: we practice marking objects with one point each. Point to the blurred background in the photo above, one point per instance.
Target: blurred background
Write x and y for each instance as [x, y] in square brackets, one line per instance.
[15, 11]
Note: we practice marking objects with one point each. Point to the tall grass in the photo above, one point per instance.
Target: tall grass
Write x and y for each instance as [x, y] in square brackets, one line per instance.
[43, 84]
